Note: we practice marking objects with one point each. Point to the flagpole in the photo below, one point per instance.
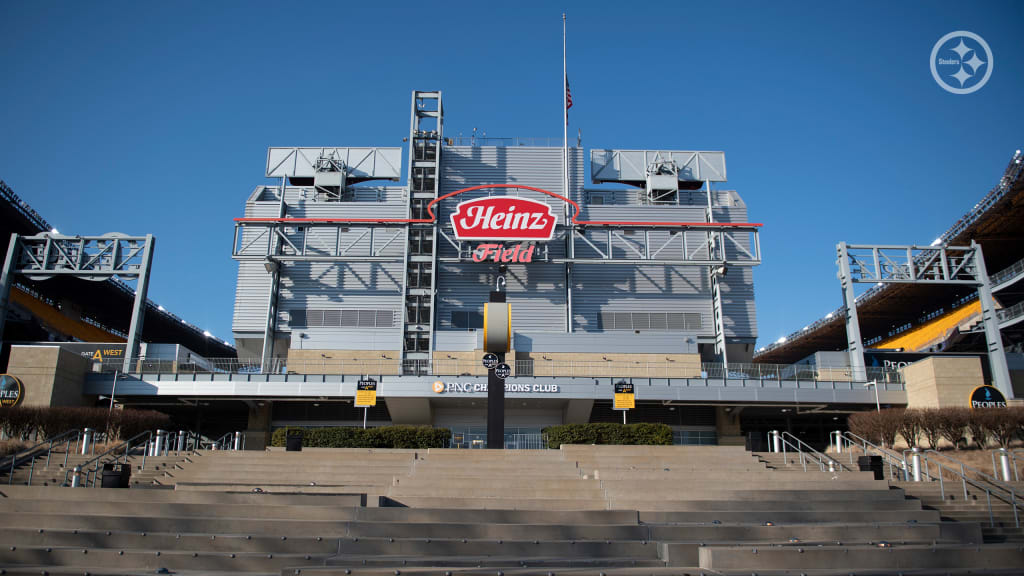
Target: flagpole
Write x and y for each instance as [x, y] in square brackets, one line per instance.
[565, 184]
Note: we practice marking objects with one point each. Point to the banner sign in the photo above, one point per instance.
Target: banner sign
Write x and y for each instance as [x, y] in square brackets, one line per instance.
[987, 397]
[366, 393]
[625, 399]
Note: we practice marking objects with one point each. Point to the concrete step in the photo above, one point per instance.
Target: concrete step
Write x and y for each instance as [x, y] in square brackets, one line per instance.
[151, 560]
[522, 549]
[584, 491]
[860, 557]
[562, 504]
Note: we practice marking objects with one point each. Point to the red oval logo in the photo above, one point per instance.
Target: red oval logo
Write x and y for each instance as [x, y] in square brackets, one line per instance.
[503, 218]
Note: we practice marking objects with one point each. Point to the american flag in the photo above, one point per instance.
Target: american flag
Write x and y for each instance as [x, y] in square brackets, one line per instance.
[568, 94]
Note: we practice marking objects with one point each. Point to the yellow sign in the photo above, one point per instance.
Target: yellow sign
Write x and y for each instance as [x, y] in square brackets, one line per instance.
[366, 393]
[11, 391]
[625, 399]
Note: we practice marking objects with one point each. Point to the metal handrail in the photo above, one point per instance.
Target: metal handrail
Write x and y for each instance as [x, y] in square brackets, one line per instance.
[986, 477]
[77, 433]
[1012, 454]
[827, 463]
[888, 457]
[95, 461]
[768, 375]
[1010, 498]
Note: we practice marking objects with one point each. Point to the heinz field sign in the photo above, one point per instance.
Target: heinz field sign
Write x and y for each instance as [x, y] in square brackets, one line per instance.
[503, 218]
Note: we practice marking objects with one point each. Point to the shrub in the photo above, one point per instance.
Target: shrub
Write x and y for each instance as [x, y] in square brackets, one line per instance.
[910, 426]
[381, 437]
[50, 421]
[978, 427]
[931, 426]
[889, 422]
[624, 434]
[1001, 423]
[953, 424]
[865, 425]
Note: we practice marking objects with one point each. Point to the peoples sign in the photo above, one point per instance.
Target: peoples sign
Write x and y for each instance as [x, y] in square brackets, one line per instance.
[503, 218]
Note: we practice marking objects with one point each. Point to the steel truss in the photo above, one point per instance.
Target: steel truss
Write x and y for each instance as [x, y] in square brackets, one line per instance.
[294, 240]
[98, 258]
[943, 265]
[695, 244]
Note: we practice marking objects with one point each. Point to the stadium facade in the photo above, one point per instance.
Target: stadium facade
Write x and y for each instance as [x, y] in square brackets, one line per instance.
[646, 275]
[618, 267]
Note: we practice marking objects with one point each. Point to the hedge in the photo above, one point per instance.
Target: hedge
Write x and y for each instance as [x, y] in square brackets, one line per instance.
[931, 425]
[379, 437]
[632, 434]
[27, 422]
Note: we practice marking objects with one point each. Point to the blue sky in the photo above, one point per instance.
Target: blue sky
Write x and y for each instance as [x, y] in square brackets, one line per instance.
[143, 117]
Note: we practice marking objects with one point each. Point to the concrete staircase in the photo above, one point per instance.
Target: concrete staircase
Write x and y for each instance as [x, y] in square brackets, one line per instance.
[41, 473]
[578, 510]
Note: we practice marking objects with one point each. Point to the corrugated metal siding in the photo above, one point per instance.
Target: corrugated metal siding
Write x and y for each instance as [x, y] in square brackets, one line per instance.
[325, 285]
[643, 343]
[627, 288]
[738, 284]
[347, 339]
[536, 291]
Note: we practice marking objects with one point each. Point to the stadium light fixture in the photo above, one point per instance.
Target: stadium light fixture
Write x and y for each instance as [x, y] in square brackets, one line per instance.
[160, 308]
[54, 231]
[780, 340]
[829, 315]
[207, 333]
[937, 241]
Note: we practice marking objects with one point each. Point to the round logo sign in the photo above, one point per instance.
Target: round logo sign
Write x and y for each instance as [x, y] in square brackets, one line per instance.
[11, 391]
[987, 397]
[490, 361]
[961, 62]
[502, 370]
[438, 387]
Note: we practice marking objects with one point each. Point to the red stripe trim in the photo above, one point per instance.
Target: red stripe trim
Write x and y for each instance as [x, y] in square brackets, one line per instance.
[433, 217]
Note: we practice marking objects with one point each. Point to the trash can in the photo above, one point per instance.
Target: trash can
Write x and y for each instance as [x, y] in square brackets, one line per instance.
[293, 442]
[116, 475]
[871, 464]
[755, 442]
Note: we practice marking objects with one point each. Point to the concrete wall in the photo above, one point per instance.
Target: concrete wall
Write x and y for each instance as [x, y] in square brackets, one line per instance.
[51, 376]
[321, 361]
[939, 382]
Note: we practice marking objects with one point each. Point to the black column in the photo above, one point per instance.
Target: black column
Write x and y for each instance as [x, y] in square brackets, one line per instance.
[496, 398]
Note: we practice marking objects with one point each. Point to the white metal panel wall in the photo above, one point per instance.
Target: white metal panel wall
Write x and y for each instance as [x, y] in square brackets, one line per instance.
[536, 291]
[629, 288]
[738, 305]
[326, 285]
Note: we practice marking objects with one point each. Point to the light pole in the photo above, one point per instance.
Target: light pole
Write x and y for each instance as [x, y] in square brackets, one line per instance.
[878, 406]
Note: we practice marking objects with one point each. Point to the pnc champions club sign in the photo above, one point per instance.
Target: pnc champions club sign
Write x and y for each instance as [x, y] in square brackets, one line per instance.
[503, 219]
[11, 391]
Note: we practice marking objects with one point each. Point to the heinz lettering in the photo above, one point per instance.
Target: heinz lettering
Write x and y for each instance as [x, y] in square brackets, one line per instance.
[503, 218]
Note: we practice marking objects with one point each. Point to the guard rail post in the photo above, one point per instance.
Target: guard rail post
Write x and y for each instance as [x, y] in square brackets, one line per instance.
[87, 435]
[158, 442]
[238, 441]
[1004, 464]
[915, 463]
[181, 440]
[76, 479]
[776, 441]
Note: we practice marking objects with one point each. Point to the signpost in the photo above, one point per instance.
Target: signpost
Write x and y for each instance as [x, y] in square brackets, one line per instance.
[366, 395]
[625, 398]
[502, 371]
